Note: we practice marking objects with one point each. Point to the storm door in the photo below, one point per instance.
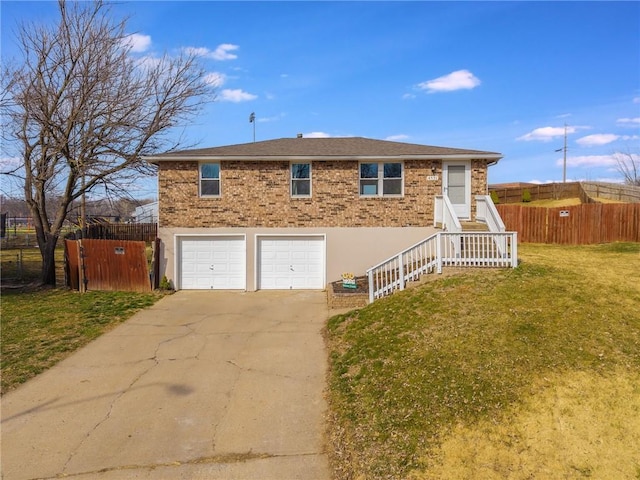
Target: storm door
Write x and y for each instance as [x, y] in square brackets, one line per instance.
[456, 184]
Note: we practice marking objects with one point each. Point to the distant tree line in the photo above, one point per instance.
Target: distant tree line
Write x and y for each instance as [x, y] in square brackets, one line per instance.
[118, 209]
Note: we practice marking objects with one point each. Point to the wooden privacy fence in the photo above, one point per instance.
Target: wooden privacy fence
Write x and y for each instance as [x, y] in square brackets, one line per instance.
[538, 192]
[587, 192]
[576, 225]
[117, 265]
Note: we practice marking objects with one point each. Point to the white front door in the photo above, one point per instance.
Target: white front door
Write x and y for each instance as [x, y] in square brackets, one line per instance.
[212, 262]
[291, 262]
[456, 184]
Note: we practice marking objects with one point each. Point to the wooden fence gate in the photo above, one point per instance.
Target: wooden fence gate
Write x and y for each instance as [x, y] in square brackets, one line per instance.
[117, 265]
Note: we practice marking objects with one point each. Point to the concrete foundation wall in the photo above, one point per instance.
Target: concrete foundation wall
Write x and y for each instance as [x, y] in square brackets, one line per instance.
[350, 250]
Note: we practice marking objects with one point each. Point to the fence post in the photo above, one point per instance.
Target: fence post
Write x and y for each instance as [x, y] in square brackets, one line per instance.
[439, 252]
[370, 277]
[156, 264]
[514, 249]
[401, 271]
[82, 285]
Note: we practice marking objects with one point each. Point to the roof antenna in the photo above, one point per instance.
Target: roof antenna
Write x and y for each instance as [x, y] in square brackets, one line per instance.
[252, 119]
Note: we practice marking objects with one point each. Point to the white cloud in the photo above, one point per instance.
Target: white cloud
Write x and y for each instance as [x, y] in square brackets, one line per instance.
[137, 43]
[597, 139]
[215, 79]
[609, 179]
[629, 122]
[603, 139]
[316, 135]
[458, 80]
[198, 51]
[9, 163]
[397, 138]
[148, 61]
[589, 161]
[236, 95]
[546, 134]
[408, 96]
[222, 52]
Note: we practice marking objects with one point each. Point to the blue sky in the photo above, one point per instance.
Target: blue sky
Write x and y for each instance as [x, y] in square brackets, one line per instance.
[497, 76]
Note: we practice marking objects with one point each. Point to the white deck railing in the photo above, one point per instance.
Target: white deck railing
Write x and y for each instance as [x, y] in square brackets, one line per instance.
[443, 249]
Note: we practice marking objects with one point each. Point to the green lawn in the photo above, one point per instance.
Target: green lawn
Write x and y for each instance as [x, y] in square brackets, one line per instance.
[42, 326]
[531, 372]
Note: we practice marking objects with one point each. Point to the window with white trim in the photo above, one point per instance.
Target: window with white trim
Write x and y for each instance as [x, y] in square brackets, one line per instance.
[381, 179]
[209, 179]
[301, 179]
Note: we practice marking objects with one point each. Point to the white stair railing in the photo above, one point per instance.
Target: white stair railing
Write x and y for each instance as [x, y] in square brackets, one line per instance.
[486, 212]
[443, 249]
[445, 215]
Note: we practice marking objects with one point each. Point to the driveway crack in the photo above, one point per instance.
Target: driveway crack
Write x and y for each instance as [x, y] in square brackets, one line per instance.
[136, 379]
[220, 459]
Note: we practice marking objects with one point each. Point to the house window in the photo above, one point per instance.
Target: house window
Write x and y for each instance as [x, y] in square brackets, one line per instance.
[380, 179]
[209, 179]
[300, 179]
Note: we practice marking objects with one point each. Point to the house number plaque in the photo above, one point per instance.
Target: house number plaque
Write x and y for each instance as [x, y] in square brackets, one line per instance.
[432, 178]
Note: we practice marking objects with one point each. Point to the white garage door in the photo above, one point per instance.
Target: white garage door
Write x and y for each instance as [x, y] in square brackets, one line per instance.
[212, 263]
[291, 263]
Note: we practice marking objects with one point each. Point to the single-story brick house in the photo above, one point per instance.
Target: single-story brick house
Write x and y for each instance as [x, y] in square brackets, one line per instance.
[298, 212]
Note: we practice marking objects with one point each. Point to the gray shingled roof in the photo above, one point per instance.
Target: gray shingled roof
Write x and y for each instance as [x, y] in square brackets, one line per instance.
[323, 148]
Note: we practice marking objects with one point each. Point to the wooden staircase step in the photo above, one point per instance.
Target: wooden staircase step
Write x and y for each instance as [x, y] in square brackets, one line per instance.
[474, 227]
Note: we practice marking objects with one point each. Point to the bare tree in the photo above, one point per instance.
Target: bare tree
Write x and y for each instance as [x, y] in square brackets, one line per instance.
[628, 166]
[82, 111]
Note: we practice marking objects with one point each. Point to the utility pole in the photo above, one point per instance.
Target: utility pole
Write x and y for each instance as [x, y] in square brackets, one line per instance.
[252, 119]
[564, 159]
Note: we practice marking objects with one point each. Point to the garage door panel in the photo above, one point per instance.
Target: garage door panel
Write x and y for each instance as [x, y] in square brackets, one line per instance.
[213, 263]
[291, 263]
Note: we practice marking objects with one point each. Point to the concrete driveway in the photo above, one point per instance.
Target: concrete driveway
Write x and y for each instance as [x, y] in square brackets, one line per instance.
[203, 385]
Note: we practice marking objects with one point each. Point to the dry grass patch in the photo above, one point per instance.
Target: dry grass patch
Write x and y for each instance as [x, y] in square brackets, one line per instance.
[563, 202]
[552, 203]
[478, 358]
[577, 425]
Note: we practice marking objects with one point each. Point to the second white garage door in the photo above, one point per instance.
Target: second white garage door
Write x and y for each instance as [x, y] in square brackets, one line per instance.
[216, 262]
[291, 262]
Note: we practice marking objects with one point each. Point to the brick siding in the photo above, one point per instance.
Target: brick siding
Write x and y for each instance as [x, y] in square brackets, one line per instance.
[257, 194]
[479, 180]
